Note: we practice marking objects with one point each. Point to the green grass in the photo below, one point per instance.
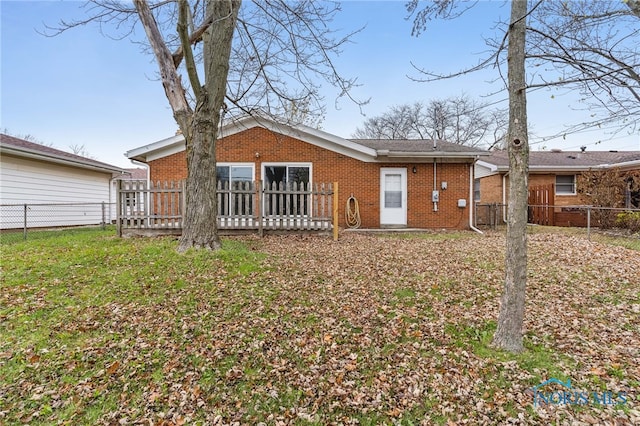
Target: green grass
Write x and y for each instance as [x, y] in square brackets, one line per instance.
[17, 236]
[97, 329]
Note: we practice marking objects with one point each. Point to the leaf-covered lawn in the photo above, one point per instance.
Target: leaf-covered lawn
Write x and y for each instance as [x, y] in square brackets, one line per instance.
[371, 329]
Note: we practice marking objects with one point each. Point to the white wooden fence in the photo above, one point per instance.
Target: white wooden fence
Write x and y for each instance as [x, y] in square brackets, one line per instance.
[145, 208]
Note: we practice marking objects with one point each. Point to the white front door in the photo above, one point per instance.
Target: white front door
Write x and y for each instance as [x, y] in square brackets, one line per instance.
[393, 196]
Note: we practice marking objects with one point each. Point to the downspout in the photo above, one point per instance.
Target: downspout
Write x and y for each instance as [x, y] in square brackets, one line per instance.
[471, 204]
[504, 197]
[144, 166]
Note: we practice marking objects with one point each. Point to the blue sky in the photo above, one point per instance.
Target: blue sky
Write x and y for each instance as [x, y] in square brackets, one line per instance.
[82, 88]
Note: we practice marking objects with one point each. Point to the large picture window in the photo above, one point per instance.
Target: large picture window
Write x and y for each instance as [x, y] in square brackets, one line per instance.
[233, 179]
[294, 178]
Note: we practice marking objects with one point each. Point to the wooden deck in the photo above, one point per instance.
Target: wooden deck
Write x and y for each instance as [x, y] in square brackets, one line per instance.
[156, 208]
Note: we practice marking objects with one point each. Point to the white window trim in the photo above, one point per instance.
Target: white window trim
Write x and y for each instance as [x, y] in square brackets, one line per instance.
[252, 165]
[561, 194]
[253, 173]
[286, 164]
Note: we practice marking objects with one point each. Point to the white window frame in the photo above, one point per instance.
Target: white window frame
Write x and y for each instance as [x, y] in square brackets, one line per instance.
[287, 164]
[253, 171]
[573, 185]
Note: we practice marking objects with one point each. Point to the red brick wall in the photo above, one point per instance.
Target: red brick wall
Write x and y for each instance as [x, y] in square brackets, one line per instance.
[354, 177]
[491, 189]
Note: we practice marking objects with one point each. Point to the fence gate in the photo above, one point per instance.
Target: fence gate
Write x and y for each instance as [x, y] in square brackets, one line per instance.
[541, 208]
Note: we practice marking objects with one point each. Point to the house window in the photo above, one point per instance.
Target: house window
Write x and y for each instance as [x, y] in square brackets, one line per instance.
[565, 185]
[295, 177]
[233, 178]
[476, 190]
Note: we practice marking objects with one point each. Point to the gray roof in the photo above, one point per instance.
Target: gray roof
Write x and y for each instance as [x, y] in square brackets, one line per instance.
[134, 174]
[569, 159]
[21, 147]
[417, 145]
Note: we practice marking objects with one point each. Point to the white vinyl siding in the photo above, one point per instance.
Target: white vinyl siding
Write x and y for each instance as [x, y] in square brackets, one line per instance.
[25, 181]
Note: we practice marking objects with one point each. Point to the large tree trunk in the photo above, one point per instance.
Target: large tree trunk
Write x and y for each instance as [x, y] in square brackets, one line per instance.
[508, 335]
[200, 228]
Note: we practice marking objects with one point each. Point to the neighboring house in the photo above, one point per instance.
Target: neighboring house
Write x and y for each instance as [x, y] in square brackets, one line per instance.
[556, 171]
[393, 180]
[59, 188]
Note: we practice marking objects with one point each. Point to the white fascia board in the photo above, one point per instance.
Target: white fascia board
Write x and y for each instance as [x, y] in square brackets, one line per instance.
[312, 136]
[624, 165]
[52, 158]
[156, 149]
[491, 167]
[324, 140]
[306, 134]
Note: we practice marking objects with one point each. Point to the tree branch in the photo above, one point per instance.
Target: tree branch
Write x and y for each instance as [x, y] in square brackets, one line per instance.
[183, 28]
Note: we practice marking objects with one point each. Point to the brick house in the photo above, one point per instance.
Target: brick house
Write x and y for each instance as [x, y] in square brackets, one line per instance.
[554, 169]
[398, 183]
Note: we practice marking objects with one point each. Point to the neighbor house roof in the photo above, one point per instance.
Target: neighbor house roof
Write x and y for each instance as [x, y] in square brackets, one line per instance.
[559, 161]
[11, 145]
[134, 174]
[364, 150]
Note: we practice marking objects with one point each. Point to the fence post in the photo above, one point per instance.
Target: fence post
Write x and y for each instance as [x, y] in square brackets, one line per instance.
[260, 191]
[24, 231]
[104, 219]
[589, 223]
[119, 208]
[335, 211]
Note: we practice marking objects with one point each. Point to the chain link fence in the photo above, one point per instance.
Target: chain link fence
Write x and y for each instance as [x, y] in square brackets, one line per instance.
[619, 226]
[24, 221]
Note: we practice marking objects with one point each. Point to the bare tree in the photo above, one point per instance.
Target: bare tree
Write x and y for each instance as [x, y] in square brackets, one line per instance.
[508, 335]
[601, 72]
[27, 137]
[256, 59]
[582, 46]
[82, 151]
[457, 119]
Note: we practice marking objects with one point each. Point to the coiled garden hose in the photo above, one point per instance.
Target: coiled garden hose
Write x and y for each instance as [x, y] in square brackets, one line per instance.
[352, 213]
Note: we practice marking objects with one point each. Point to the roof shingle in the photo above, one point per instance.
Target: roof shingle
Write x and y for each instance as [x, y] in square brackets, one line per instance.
[47, 151]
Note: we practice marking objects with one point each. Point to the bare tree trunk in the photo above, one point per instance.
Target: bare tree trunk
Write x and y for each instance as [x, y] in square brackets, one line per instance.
[508, 335]
[200, 229]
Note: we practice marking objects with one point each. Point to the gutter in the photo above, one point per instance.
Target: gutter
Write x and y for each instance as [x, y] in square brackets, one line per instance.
[433, 154]
[58, 159]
